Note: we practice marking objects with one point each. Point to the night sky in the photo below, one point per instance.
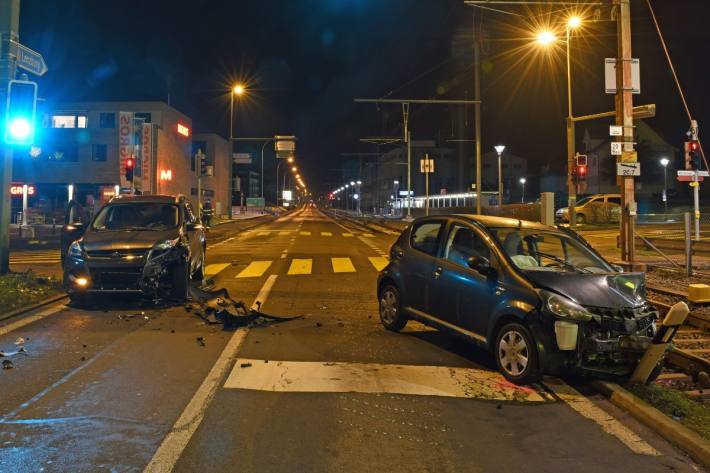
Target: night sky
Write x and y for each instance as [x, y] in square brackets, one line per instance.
[305, 60]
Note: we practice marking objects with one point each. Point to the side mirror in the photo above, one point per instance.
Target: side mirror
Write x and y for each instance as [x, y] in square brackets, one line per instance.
[481, 264]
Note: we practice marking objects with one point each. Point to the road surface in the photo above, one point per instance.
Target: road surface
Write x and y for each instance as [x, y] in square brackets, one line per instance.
[128, 387]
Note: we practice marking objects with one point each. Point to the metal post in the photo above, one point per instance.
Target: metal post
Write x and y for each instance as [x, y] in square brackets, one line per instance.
[477, 108]
[231, 153]
[665, 191]
[571, 185]
[696, 204]
[408, 140]
[500, 179]
[688, 243]
[9, 31]
[426, 185]
[624, 118]
[262, 168]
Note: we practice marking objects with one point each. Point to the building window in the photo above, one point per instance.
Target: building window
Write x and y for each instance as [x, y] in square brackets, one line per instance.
[69, 121]
[107, 120]
[145, 117]
[99, 152]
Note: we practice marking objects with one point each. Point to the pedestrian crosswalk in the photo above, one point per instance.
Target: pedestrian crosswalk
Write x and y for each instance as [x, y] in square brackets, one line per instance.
[35, 257]
[300, 266]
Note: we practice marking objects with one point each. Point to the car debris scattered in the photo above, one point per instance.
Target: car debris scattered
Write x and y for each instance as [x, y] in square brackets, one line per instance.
[6, 354]
[20, 341]
[245, 365]
[7, 365]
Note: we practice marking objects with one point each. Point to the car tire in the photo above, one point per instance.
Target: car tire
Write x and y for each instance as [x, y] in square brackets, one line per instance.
[581, 219]
[516, 354]
[390, 307]
[181, 281]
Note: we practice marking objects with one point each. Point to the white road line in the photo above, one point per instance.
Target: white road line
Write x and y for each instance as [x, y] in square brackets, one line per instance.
[177, 439]
[32, 318]
[606, 421]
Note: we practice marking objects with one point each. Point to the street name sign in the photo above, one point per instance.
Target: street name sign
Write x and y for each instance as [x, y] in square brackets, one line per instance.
[628, 169]
[30, 60]
[616, 130]
[610, 75]
[692, 173]
[241, 158]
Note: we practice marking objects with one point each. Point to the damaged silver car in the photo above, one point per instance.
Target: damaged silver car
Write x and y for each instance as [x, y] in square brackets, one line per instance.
[149, 244]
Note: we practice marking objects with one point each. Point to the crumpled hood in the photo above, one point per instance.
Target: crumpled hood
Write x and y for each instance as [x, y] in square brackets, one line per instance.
[124, 240]
[612, 290]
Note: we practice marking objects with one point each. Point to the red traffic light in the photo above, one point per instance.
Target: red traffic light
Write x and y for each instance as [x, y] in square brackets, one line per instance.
[130, 163]
[693, 145]
[582, 170]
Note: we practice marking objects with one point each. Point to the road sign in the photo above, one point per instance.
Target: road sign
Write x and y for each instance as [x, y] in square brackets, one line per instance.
[692, 173]
[426, 165]
[610, 75]
[30, 60]
[616, 130]
[690, 178]
[241, 158]
[629, 156]
[616, 148]
[628, 169]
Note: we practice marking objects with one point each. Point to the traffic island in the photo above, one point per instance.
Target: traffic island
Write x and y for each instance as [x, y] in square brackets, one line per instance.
[692, 438]
[20, 290]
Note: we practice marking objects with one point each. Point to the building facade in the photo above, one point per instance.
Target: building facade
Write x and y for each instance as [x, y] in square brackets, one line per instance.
[215, 185]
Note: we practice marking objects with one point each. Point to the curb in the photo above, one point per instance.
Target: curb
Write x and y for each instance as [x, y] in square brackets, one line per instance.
[30, 308]
[693, 444]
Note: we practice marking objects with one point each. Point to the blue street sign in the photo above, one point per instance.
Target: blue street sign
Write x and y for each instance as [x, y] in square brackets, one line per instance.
[30, 60]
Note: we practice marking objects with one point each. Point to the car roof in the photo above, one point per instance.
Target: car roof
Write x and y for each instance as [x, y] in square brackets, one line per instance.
[154, 199]
[489, 221]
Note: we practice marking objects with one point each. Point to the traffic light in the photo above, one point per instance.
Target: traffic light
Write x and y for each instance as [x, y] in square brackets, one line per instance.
[20, 112]
[580, 168]
[130, 166]
[692, 155]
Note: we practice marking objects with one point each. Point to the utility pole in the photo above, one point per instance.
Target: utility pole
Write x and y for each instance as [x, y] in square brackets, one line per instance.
[408, 140]
[477, 107]
[625, 119]
[571, 184]
[9, 33]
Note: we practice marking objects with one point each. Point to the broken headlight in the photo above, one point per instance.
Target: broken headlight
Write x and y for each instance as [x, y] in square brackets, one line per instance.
[76, 251]
[159, 249]
[564, 307]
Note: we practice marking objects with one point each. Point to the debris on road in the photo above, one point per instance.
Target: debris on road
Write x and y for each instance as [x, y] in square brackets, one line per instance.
[216, 307]
[20, 341]
[245, 365]
[319, 324]
[201, 341]
[5, 354]
[7, 365]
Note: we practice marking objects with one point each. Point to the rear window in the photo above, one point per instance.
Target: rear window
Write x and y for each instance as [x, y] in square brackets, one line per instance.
[425, 236]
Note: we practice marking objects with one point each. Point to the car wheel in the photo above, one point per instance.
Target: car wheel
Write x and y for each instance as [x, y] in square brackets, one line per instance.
[391, 314]
[516, 354]
[581, 219]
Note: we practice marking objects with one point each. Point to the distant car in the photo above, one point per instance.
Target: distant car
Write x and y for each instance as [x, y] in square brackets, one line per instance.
[596, 208]
[539, 298]
[134, 243]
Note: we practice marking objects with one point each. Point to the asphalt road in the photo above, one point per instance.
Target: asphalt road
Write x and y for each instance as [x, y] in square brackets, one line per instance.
[329, 391]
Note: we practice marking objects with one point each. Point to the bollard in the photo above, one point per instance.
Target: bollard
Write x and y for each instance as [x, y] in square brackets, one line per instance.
[688, 245]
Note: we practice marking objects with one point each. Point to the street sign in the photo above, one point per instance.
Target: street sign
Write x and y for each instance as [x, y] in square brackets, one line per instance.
[241, 158]
[616, 148]
[629, 156]
[610, 75]
[628, 169]
[616, 130]
[692, 173]
[30, 60]
[426, 165]
[690, 178]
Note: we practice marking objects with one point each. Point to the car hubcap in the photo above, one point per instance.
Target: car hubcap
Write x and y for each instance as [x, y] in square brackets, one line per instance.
[388, 307]
[513, 353]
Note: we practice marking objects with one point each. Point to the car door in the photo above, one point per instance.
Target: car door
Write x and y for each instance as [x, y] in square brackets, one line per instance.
[460, 295]
[418, 260]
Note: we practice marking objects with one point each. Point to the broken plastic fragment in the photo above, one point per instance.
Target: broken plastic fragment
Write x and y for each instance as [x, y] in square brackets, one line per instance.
[7, 365]
[20, 341]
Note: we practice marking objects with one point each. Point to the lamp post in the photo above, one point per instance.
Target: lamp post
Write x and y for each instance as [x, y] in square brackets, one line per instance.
[522, 183]
[237, 90]
[396, 197]
[499, 149]
[358, 195]
[664, 163]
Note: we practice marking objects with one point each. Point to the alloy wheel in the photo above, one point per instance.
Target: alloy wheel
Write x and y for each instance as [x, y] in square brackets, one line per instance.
[388, 307]
[513, 353]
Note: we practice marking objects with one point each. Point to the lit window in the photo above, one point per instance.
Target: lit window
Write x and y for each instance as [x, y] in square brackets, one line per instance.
[81, 121]
[63, 121]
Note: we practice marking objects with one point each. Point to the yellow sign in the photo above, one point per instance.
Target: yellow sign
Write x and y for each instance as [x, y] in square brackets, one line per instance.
[629, 157]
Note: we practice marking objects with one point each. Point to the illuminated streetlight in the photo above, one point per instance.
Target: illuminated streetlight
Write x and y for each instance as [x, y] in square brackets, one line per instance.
[499, 149]
[238, 89]
[574, 21]
[522, 182]
[664, 163]
[546, 38]
[294, 169]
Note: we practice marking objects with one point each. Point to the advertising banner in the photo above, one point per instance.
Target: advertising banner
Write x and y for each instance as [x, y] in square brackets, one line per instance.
[147, 157]
[125, 143]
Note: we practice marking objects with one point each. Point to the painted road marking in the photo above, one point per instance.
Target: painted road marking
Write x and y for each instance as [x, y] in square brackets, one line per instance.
[264, 233]
[174, 443]
[347, 235]
[53, 309]
[374, 378]
[606, 421]
[342, 265]
[284, 233]
[255, 269]
[305, 233]
[300, 266]
[214, 269]
[379, 262]
[368, 235]
[326, 234]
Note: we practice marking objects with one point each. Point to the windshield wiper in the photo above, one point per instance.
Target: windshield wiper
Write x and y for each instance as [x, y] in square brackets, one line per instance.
[563, 262]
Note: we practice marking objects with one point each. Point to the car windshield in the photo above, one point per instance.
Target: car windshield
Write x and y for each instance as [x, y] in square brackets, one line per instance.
[137, 216]
[584, 200]
[548, 250]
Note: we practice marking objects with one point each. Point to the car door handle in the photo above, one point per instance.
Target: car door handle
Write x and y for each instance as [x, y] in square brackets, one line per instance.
[437, 272]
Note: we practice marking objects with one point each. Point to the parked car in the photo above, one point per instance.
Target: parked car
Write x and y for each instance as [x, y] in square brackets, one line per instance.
[597, 208]
[538, 297]
[134, 243]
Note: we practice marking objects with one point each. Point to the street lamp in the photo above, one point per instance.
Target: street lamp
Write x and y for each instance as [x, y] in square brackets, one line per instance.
[522, 182]
[664, 163]
[357, 195]
[546, 37]
[499, 149]
[238, 90]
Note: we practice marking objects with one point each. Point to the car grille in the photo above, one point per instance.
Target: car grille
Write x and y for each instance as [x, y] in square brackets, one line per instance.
[126, 254]
[116, 278]
[625, 320]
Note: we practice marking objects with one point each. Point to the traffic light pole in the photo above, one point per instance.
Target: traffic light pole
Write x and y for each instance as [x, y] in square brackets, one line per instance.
[9, 32]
